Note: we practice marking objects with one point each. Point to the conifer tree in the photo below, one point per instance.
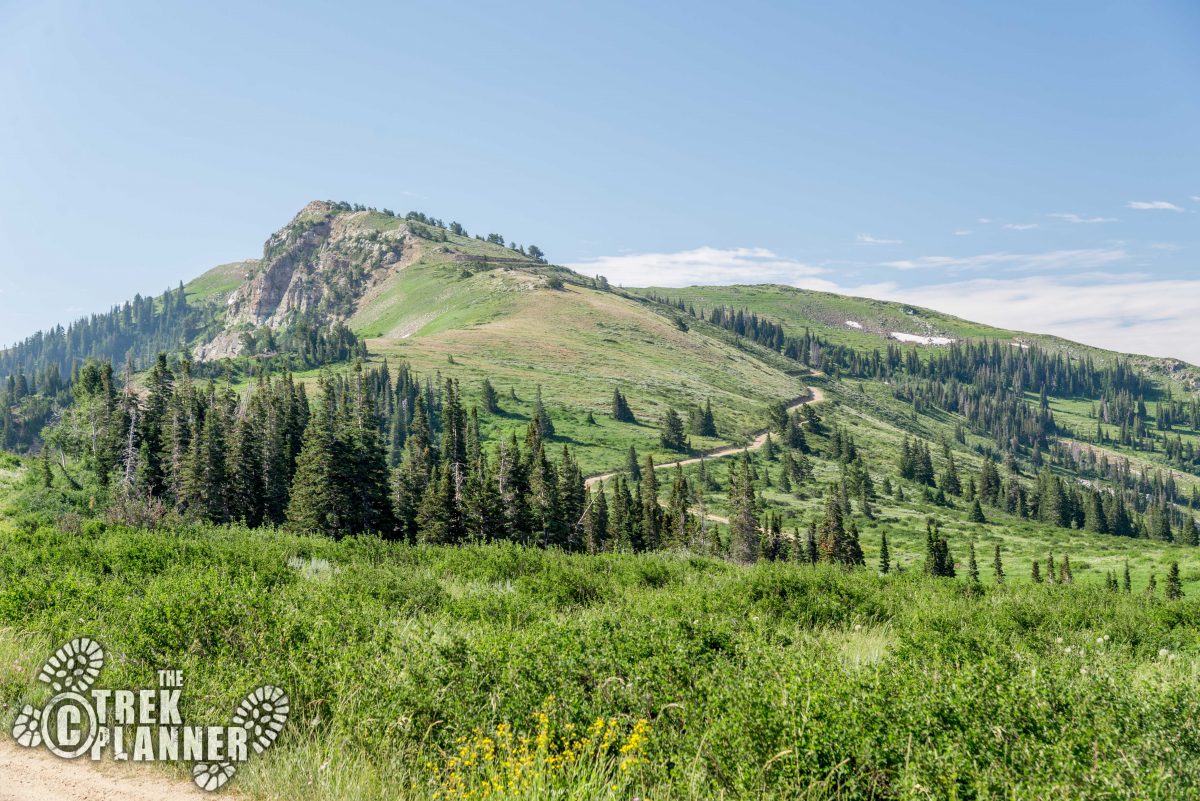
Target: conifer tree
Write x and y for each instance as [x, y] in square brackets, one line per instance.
[972, 565]
[632, 465]
[491, 402]
[811, 553]
[671, 436]
[651, 512]
[1064, 571]
[623, 532]
[836, 542]
[597, 531]
[743, 518]
[794, 438]
[950, 483]
[544, 503]
[244, 470]
[620, 408]
[677, 511]
[997, 567]
[703, 424]
[1127, 582]
[571, 501]
[1174, 584]
[938, 559]
[1191, 532]
[316, 502]
[541, 418]
[44, 465]
[885, 555]
[1037, 572]
[976, 515]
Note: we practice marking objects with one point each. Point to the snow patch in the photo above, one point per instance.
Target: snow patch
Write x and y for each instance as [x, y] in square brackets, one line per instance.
[923, 340]
[853, 324]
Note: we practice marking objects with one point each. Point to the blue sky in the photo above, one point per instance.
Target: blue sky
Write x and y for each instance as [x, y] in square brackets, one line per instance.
[1028, 164]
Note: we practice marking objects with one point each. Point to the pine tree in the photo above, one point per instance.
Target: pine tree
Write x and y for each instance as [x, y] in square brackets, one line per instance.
[1191, 532]
[491, 402]
[1127, 582]
[885, 555]
[571, 501]
[1064, 572]
[836, 542]
[703, 424]
[811, 553]
[976, 515]
[1037, 572]
[541, 419]
[620, 408]
[1174, 584]
[316, 500]
[632, 465]
[434, 522]
[44, 464]
[998, 567]
[364, 472]
[671, 436]
[1152, 585]
[677, 517]
[938, 559]
[244, 471]
[950, 483]
[546, 521]
[972, 566]
[621, 514]
[853, 554]
[596, 531]
[743, 518]
[794, 438]
[651, 513]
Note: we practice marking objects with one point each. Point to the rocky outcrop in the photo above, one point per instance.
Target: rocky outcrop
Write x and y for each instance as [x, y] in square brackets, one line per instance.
[320, 264]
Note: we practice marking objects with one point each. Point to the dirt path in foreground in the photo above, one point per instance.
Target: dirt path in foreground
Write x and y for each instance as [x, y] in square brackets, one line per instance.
[34, 774]
[815, 395]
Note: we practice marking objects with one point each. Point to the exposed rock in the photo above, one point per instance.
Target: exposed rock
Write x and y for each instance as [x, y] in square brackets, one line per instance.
[320, 264]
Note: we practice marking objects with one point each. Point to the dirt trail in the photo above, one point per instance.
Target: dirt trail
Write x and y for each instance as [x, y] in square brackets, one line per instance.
[815, 395]
[34, 774]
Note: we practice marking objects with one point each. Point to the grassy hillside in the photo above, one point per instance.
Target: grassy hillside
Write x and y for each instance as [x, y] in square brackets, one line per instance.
[220, 281]
[578, 344]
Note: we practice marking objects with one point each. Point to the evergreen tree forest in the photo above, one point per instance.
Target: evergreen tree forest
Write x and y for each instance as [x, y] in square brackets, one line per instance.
[41, 371]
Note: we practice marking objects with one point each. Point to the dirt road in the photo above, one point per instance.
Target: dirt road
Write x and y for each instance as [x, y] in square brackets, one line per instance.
[34, 774]
[815, 395]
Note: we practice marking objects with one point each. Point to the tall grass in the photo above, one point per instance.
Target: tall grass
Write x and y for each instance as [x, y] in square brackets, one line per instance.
[508, 672]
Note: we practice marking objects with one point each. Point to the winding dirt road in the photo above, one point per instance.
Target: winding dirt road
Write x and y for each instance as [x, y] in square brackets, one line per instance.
[815, 395]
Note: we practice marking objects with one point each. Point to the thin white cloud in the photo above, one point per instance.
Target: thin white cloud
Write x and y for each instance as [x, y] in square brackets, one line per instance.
[1085, 259]
[1125, 313]
[963, 232]
[1152, 205]
[867, 239]
[985, 220]
[704, 265]
[1021, 226]
[1079, 219]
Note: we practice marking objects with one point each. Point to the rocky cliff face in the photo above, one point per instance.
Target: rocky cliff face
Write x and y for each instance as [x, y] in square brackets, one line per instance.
[319, 264]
